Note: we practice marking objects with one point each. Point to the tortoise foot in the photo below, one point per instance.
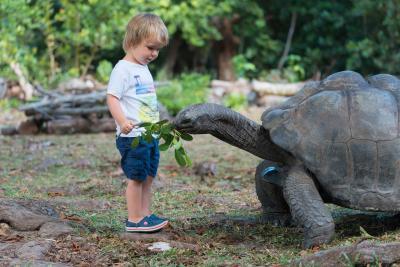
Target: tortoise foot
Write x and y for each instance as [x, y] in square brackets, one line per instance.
[319, 235]
[277, 218]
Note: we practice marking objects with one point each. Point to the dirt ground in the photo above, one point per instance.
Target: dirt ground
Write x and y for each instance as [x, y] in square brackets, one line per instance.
[70, 191]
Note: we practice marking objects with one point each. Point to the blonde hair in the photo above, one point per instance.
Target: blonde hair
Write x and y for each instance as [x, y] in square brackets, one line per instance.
[143, 26]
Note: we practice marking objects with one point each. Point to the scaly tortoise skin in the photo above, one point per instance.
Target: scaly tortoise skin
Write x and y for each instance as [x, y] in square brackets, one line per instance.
[335, 141]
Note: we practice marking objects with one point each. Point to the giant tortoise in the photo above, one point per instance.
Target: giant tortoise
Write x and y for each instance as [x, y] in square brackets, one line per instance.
[335, 141]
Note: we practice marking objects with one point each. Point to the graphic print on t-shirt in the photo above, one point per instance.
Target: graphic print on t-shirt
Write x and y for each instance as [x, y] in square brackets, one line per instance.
[148, 110]
[142, 88]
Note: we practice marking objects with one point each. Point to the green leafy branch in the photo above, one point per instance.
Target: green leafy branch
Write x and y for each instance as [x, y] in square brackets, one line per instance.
[172, 138]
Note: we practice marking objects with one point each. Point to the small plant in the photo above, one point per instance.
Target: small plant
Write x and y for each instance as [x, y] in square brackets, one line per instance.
[172, 138]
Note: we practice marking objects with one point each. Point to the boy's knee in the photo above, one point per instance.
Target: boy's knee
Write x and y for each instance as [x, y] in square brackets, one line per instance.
[134, 182]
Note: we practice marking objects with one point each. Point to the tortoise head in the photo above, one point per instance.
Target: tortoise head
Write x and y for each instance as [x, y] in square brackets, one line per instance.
[196, 119]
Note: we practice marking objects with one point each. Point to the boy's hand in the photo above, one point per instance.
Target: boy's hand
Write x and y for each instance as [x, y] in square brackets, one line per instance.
[127, 126]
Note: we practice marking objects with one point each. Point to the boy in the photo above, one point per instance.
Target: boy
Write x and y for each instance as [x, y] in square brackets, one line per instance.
[131, 99]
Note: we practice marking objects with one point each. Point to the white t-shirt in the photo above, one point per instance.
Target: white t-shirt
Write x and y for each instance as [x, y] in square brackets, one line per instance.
[133, 85]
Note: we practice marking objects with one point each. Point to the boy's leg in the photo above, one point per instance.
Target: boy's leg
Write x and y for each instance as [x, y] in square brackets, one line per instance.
[134, 195]
[146, 195]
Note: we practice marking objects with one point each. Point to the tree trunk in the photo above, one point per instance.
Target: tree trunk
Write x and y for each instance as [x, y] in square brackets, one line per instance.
[288, 41]
[226, 48]
[172, 55]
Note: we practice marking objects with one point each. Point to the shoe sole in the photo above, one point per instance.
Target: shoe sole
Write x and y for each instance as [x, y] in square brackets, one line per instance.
[146, 229]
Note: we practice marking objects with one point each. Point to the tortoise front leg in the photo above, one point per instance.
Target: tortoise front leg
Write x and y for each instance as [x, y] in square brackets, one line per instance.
[270, 177]
[307, 208]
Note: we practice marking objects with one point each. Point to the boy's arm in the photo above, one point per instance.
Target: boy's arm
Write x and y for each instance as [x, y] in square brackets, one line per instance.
[116, 111]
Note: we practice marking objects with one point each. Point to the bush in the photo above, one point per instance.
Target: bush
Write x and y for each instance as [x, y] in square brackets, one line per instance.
[188, 89]
[235, 100]
[103, 71]
[9, 103]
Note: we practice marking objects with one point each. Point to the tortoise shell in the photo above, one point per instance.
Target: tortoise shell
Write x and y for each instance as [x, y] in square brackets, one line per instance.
[345, 130]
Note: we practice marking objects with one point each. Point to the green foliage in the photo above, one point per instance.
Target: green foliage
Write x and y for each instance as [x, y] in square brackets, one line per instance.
[172, 139]
[6, 104]
[294, 71]
[56, 40]
[103, 71]
[235, 100]
[189, 89]
[242, 66]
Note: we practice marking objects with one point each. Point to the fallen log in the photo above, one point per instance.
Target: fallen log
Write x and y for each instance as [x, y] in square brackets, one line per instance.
[26, 86]
[283, 89]
[364, 253]
[79, 125]
[49, 104]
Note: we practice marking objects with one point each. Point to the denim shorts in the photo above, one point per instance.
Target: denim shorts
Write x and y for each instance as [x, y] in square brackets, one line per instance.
[141, 161]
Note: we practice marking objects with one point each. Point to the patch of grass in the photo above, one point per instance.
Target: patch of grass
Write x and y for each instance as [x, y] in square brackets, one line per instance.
[103, 222]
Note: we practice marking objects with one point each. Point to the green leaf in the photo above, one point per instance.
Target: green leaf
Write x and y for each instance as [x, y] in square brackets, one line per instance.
[135, 142]
[162, 122]
[167, 138]
[180, 158]
[163, 147]
[166, 128]
[177, 144]
[148, 137]
[188, 160]
[154, 128]
[186, 137]
[145, 124]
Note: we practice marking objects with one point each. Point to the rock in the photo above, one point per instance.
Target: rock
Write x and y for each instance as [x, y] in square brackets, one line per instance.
[205, 169]
[4, 229]
[160, 246]
[36, 263]
[54, 229]
[34, 250]
[163, 237]
[19, 217]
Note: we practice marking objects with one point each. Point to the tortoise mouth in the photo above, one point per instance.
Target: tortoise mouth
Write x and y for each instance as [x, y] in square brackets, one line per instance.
[184, 125]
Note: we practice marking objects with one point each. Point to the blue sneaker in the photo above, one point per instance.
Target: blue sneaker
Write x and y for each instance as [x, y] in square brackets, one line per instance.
[155, 218]
[145, 226]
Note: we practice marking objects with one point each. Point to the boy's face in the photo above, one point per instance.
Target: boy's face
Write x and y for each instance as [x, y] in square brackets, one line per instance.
[146, 51]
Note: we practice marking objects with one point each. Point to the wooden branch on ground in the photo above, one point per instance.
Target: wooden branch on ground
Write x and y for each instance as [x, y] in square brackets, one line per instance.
[366, 252]
[48, 104]
[23, 82]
